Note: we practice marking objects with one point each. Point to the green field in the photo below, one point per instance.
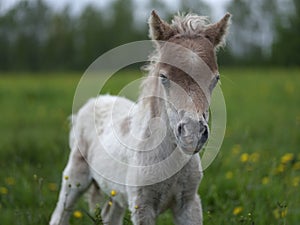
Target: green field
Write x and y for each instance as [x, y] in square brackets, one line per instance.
[255, 178]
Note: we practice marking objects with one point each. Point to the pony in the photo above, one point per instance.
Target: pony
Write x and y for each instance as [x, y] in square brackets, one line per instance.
[143, 156]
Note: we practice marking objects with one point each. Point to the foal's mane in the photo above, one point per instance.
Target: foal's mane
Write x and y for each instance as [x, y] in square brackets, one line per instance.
[190, 24]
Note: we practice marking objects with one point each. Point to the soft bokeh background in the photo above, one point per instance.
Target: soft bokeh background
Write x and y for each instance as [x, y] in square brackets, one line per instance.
[45, 47]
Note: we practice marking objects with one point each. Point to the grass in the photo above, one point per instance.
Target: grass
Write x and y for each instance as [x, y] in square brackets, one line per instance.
[254, 180]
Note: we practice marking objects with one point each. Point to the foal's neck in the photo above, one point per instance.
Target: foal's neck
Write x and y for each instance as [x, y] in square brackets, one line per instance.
[151, 120]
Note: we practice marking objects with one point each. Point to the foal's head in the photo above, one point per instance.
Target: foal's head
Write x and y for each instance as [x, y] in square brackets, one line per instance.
[187, 72]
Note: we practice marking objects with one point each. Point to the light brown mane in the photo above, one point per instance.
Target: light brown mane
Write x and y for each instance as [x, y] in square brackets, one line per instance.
[190, 24]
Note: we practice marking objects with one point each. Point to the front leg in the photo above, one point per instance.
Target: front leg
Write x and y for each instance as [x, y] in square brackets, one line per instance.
[141, 205]
[142, 214]
[75, 180]
[188, 212]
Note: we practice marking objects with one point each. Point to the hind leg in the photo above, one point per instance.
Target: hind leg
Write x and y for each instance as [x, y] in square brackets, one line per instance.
[75, 180]
[112, 213]
[94, 197]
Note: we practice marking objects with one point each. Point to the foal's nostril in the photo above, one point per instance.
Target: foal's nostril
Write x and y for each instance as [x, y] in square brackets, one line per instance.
[205, 133]
[180, 128]
[203, 130]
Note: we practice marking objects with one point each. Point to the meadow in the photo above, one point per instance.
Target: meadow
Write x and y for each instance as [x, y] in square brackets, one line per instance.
[255, 178]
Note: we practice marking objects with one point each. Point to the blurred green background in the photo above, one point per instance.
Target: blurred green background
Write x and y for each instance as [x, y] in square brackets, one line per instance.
[44, 51]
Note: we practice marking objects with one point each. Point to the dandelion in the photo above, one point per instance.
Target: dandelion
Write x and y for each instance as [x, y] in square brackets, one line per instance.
[229, 175]
[77, 214]
[276, 213]
[237, 210]
[3, 190]
[254, 157]
[113, 193]
[280, 168]
[296, 166]
[110, 203]
[280, 213]
[136, 206]
[287, 158]
[265, 180]
[52, 186]
[284, 213]
[10, 181]
[66, 177]
[244, 157]
[296, 181]
[236, 149]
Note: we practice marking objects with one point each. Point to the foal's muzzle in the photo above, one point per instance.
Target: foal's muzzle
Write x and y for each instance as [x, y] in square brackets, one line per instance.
[192, 134]
[204, 130]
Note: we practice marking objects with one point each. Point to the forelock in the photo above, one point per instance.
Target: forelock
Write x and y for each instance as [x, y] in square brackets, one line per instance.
[190, 24]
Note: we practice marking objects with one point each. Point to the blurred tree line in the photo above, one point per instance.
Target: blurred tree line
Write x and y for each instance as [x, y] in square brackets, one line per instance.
[34, 37]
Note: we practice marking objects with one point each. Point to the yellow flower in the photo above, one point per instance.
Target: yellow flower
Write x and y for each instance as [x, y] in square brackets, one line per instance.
[52, 186]
[3, 190]
[296, 166]
[280, 213]
[280, 168]
[296, 181]
[77, 214]
[284, 213]
[286, 158]
[10, 181]
[237, 210]
[265, 180]
[136, 206]
[113, 192]
[244, 157]
[276, 213]
[254, 157]
[110, 203]
[229, 175]
[66, 177]
[236, 149]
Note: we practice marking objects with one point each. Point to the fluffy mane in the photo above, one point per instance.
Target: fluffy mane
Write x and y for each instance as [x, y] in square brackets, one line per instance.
[190, 24]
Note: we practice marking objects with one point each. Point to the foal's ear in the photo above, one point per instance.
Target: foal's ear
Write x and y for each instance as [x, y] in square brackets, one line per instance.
[159, 29]
[216, 32]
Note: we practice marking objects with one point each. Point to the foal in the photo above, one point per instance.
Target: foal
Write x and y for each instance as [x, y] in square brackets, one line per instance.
[143, 156]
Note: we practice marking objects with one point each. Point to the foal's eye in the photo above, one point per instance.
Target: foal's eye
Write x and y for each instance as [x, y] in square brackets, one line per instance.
[218, 77]
[164, 78]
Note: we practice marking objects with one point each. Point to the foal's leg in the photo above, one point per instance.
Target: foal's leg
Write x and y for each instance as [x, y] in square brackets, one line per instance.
[143, 215]
[188, 213]
[94, 197]
[142, 210]
[75, 180]
[141, 204]
[112, 213]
